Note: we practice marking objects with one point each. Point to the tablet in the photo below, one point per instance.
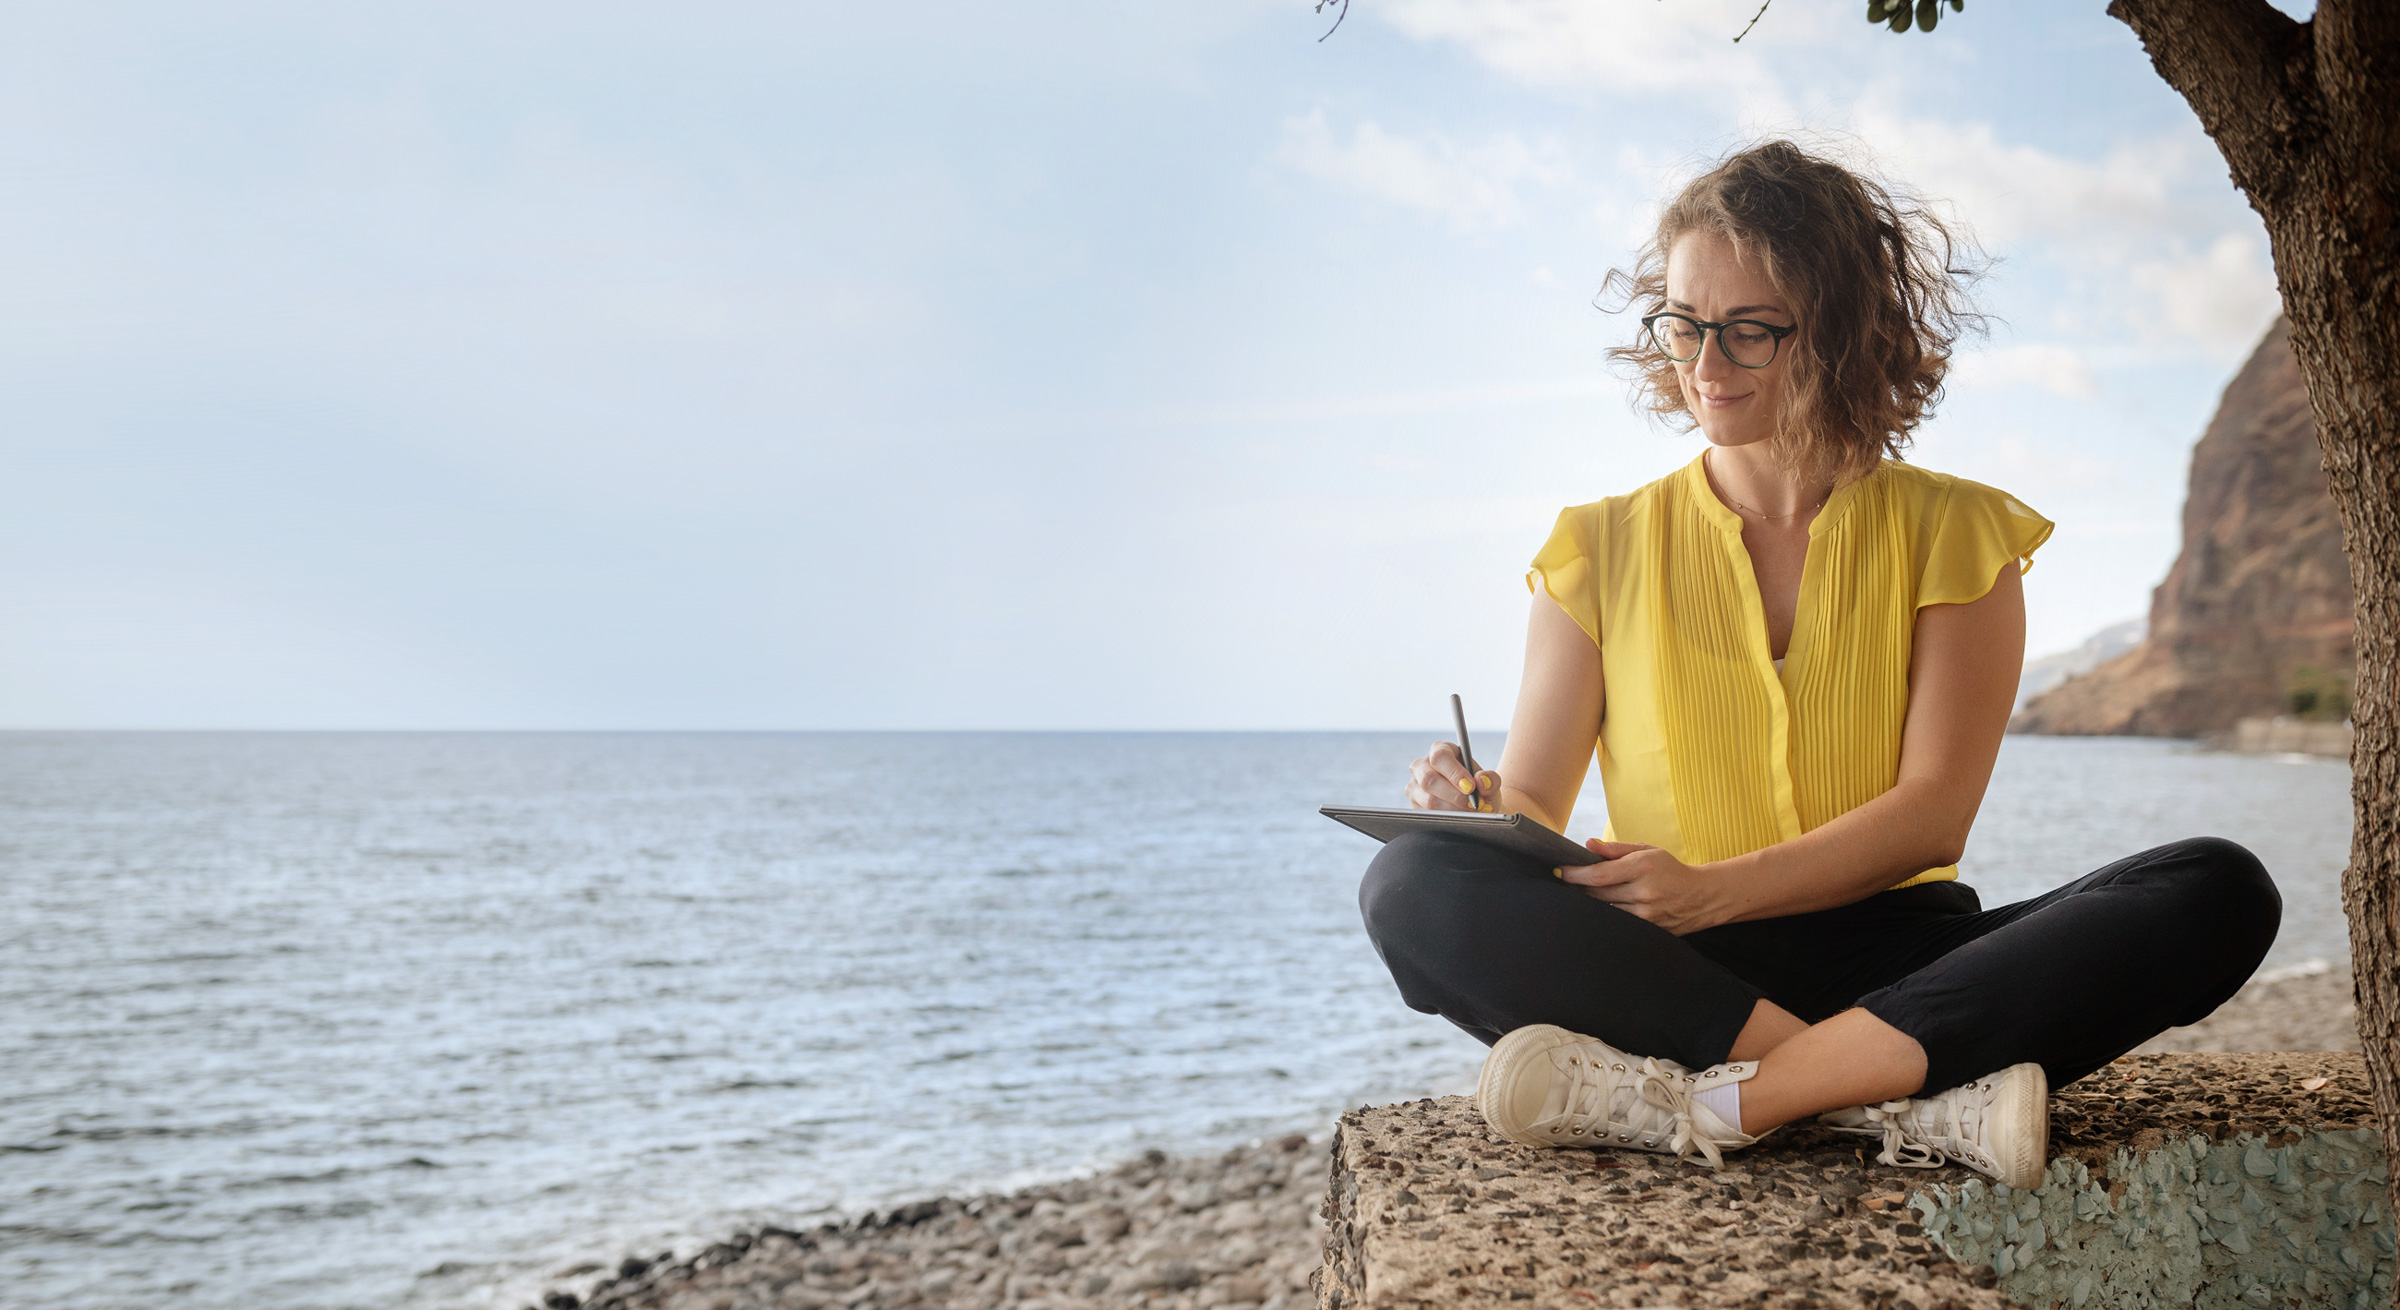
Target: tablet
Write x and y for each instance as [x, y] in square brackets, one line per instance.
[1513, 833]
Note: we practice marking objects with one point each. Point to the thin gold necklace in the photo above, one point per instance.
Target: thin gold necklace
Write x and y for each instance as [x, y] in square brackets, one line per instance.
[1775, 517]
[1771, 518]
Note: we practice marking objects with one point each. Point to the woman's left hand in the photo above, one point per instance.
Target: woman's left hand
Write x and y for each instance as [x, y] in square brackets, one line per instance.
[1650, 884]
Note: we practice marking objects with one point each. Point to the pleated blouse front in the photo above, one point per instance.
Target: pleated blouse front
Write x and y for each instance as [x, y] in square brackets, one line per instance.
[1705, 748]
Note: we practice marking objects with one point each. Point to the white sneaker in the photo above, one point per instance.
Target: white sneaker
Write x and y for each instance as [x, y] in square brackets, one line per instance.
[1545, 1086]
[1998, 1125]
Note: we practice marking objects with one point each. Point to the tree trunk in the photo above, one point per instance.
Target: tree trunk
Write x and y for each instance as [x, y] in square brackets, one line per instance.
[2308, 117]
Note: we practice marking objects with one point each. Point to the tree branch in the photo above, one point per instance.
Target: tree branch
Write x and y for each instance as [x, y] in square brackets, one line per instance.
[1337, 18]
[2358, 62]
[1762, 12]
[2247, 69]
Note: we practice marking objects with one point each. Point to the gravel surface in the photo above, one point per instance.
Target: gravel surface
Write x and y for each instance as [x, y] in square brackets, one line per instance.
[1430, 1209]
[1239, 1229]
[2139, 1101]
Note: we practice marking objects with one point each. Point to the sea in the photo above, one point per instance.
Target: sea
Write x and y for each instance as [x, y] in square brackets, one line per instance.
[317, 1021]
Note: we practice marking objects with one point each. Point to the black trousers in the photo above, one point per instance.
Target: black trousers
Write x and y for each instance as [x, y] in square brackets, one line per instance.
[2069, 980]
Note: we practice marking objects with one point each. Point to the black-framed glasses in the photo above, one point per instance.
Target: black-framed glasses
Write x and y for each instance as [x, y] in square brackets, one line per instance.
[1745, 341]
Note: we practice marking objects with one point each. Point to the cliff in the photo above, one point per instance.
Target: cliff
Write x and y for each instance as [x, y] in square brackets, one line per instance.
[2255, 617]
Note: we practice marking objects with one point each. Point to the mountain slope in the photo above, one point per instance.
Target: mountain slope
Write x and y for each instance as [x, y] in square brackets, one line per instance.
[2255, 617]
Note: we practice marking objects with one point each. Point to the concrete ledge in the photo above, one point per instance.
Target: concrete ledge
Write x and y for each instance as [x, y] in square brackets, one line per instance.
[2181, 1181]
[2284, 736]
[1427, 1208]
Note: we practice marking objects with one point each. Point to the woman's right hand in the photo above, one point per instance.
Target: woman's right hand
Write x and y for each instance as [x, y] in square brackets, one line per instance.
[1439, 781]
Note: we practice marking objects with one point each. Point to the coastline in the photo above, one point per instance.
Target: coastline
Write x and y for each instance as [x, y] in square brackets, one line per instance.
[1240, 1229]
[1237, 1231]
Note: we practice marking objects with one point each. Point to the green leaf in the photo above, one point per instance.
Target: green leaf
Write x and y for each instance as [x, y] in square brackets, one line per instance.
[1958, 6]
[1874, 11]
[1899, 18]
[1929, 12]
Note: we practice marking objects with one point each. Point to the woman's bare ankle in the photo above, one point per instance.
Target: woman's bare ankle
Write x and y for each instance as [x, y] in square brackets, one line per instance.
[1853, 1058]
[1770, 1026]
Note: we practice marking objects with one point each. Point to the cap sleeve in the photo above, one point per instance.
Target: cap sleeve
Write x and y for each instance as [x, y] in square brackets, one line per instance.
[1979, 529]
[1565, 569]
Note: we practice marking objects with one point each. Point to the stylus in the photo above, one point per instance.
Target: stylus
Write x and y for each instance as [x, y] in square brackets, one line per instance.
[1458, 716]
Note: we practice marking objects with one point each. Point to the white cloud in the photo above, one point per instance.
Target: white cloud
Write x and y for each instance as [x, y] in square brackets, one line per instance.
[2224, 294]
[1619, 45]
[2159, 253]
[1392, 404]
[1473, 186]
[2037, 467]
[2015, 193]
[2059, 370]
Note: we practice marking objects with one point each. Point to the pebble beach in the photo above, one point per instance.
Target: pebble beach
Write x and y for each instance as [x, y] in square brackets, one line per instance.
[1237, 1231]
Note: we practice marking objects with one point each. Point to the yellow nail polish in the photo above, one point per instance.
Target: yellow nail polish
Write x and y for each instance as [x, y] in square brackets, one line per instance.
[1466, 785]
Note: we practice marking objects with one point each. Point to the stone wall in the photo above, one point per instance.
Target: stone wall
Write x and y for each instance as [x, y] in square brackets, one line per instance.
[2215, 1180]
[2283, 735]
[2226, 1225]
[2184, 1181]
[1428, 1209]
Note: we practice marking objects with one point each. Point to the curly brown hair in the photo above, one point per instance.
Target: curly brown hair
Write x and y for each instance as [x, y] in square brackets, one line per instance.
[1877, 282]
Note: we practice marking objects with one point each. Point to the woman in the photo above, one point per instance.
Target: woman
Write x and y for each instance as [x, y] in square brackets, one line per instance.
[1795, 658]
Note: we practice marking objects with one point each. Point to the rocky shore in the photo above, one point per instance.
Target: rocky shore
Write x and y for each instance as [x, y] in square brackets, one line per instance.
[1236, 1231]
[2303, 1007]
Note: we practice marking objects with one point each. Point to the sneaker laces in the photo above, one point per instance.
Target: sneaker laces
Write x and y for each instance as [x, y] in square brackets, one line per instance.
[1667, 1093]
[1949, 1117]
[1659, 1086]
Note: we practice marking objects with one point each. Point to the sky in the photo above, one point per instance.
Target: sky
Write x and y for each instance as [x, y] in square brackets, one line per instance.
[1076, 365]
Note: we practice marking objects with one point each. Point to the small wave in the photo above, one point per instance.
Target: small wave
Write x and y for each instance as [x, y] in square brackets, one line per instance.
[759, 1084]
[272, 1215]
[292, 1180]
[133, 1132]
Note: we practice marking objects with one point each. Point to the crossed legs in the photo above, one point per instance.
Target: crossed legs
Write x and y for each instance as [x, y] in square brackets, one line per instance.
[1907, 991]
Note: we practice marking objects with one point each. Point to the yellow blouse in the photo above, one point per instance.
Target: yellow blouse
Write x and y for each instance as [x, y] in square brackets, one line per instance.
[1705, 748]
